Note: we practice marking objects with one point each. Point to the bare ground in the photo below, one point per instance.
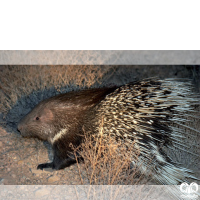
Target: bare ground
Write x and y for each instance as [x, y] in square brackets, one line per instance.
[19, 160]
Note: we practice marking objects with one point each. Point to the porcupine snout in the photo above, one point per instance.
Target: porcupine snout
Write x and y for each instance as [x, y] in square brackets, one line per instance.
[19, 127]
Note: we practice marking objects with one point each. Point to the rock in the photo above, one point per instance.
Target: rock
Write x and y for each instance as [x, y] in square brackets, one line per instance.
[38, 172]
[48, 170]
[13, 175]
[52, 179]
[20, 162]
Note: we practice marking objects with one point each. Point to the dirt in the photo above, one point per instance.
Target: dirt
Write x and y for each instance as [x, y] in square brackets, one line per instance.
[19, 160]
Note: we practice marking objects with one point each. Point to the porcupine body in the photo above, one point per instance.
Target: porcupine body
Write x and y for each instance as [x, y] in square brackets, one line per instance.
[145, 113]
[140, 113]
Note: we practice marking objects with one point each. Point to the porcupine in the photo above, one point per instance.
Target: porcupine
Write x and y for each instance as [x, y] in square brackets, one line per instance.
[141, 112]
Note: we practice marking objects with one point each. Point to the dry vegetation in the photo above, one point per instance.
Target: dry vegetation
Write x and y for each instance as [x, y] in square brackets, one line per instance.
[18, 81]
[106, 162]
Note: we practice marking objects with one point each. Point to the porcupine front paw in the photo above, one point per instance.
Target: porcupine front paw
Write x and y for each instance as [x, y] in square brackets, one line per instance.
[45, 165]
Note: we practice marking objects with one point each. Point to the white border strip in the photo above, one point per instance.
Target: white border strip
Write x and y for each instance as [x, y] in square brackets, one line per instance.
[90, 57]
[142, 192]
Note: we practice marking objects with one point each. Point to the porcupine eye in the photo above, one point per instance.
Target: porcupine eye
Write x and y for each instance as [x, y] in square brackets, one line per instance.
[37, 118]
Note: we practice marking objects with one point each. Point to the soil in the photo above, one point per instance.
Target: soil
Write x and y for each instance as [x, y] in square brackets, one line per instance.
[19, 160]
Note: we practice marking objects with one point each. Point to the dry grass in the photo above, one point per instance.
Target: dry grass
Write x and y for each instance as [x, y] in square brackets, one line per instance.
[18, 81]
[107, 161]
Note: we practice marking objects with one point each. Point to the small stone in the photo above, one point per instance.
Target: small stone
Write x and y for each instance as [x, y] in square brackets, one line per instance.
[52, 179]
[26, 143]
[71, 167]
[20, 162]
[1, 144]
[48, 170]
[35, 171]
[38, 172]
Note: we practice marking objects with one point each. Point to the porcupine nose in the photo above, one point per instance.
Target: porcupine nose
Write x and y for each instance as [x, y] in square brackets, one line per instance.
[19, 127]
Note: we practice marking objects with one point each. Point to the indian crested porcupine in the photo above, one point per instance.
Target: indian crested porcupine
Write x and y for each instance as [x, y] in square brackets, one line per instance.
[140, 113]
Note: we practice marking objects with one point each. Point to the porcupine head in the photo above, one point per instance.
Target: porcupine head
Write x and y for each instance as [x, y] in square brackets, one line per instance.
[59, 120]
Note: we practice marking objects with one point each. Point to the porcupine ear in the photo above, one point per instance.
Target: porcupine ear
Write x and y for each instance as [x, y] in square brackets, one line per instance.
[46, 115]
